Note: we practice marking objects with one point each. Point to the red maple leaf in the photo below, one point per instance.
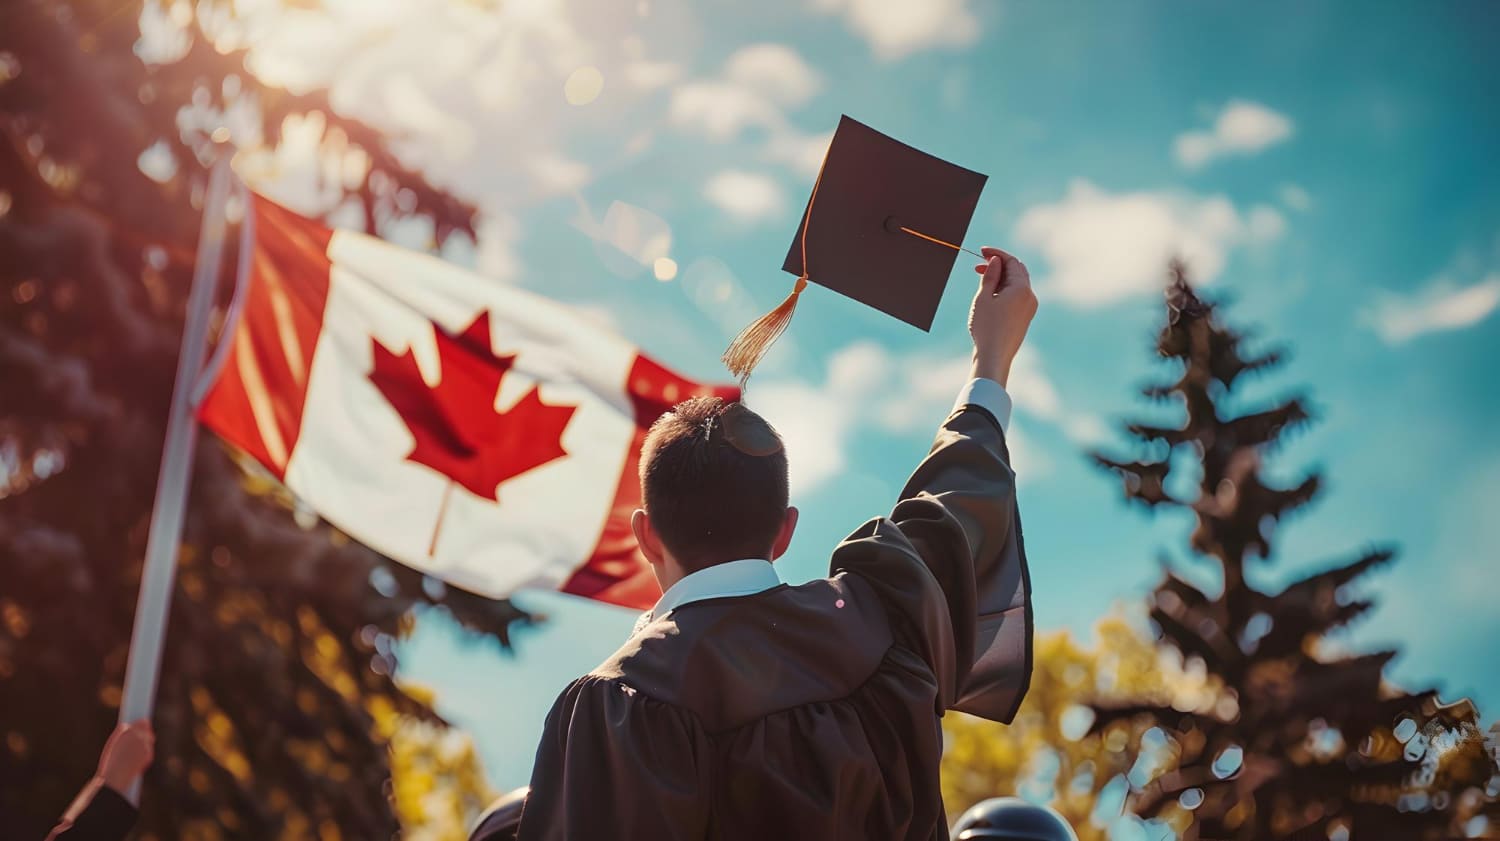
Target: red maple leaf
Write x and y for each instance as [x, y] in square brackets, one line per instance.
[457, 430]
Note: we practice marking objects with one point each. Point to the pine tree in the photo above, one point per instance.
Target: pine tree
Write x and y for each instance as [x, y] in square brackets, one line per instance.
[1301, 740]
[277, 702]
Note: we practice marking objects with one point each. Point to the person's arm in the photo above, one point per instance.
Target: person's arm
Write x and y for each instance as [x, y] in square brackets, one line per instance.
[613, 763]
[948, 562]
[100, 812]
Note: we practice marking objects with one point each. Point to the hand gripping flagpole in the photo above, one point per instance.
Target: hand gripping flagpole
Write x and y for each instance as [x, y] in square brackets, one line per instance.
[153, 603]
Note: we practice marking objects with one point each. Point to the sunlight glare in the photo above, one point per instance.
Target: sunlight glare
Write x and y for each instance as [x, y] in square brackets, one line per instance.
[583, 85]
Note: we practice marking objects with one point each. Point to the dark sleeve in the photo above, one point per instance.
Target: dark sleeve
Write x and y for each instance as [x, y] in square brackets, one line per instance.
[950, 567]
[615, 764]
[108, 817]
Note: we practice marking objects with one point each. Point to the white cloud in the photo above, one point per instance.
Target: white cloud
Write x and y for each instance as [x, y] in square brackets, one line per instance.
[758, 82]
[1088, 430]
[473, 95]
[1263, 224]
[758, 85]
[924, 392]
[1104, 247]
[1030, 388]
[650, 75]
[496, 254]
[745, 196]
[1242, 128]
[803, 153]
[816, 422]
[866, 386]
[1027, 459]
[1033, 393]
[558, 174]
[411, 110]
[775, 71]
[815, 427]
[1440, 305]
[1294, 197]
[645, 70]
[896, 28]
[721, 109]
[925, 385]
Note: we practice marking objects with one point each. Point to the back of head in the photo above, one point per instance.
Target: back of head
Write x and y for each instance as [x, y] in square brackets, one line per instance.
[714, 481]
[1011, 819]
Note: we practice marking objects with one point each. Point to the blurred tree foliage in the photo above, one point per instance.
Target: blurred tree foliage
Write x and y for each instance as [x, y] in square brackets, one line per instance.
[1302, 739]
[438, 784]
[277, 701]
[1048, 754]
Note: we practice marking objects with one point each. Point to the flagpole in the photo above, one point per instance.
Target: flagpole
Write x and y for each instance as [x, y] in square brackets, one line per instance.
[153, 603]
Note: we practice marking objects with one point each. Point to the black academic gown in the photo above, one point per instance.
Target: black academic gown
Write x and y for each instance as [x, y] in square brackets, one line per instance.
[809, 711]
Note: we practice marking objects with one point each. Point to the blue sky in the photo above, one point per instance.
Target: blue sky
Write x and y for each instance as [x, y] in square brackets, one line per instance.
[1328, 168]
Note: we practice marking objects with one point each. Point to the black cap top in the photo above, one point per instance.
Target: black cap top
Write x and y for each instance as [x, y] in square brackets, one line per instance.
[870, 188]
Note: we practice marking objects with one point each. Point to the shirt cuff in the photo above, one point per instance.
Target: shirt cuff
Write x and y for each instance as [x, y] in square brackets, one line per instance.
[988, 395]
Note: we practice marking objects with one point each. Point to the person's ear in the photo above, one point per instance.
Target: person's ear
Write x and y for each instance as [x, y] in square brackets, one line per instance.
[784, 537]
[647, 538]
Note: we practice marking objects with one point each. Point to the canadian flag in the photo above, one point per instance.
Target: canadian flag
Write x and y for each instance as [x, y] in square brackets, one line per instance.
[472, 430]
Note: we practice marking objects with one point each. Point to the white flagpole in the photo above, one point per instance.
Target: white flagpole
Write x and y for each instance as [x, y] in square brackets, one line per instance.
[154, 601]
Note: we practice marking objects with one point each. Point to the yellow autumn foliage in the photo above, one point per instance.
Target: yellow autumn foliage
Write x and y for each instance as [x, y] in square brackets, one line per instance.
[1047, 754]
[438, 787]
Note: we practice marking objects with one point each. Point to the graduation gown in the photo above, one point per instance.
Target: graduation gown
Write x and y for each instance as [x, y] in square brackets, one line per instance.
[809, 711]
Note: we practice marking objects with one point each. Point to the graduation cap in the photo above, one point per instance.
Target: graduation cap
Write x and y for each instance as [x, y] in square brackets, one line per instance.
[883, 226]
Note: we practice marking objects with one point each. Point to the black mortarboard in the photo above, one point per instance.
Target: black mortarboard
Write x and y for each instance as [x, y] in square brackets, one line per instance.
[883, 226]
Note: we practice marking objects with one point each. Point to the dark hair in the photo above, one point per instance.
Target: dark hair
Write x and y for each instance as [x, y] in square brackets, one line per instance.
[713, 477]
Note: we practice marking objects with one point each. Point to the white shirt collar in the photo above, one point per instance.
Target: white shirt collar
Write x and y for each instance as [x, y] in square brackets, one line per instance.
[733, 578]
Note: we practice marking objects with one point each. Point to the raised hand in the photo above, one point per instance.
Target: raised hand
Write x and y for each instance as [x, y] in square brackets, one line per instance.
[1001, 313]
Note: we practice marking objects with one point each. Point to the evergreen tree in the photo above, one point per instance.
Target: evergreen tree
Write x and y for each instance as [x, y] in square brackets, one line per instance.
[277, 701]
[1302, 740]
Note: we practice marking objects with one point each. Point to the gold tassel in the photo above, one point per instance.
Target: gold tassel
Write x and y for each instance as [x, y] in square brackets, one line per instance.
[745, 352]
